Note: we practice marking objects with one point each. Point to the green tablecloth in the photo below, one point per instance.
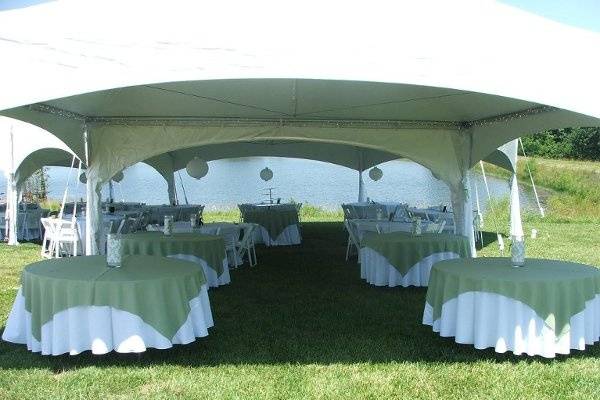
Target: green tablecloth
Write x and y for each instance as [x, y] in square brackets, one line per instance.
[403, 250]
[156, 289]
[272, 219]
[555, 290]
[210, 248]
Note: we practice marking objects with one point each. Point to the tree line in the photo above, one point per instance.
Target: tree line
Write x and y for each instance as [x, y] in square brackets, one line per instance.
[572, 143]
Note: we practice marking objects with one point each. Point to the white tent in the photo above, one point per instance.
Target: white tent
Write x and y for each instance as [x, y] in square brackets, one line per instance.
[25, 149]
[441, 83]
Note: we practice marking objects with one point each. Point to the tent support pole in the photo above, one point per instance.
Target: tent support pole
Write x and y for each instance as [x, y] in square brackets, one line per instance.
[361, 182]
[111, 192]
[13, 197]
[170, 178]
[93, 202]
[463, 211]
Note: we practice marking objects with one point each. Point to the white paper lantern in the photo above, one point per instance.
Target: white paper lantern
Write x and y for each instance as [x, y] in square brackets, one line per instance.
[266, 174]
[118, 176]
[375, 174]
[83, 178]
[197, 168]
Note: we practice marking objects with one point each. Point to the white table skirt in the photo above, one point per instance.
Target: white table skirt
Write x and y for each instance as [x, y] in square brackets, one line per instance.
[492, 320]
[377, 270]
[211, 275]
[103, 329]
[289, 236]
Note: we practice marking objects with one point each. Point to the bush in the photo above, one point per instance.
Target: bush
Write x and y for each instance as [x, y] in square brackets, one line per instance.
[572, 143]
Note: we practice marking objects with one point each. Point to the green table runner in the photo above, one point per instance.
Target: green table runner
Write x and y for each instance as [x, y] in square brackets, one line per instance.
[404, 250]
[273, 220]
[555, 290]
[210, 248]
[156, 289]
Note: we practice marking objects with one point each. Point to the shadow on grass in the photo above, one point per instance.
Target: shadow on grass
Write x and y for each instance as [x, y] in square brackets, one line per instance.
[300, 305]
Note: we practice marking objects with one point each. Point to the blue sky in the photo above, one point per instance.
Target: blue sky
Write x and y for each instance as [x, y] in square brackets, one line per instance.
[580, 13]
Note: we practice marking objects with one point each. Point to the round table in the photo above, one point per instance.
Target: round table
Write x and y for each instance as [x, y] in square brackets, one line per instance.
[546, 307]
[208, 251]
[71, 305]
[278, 225]
[402, 259]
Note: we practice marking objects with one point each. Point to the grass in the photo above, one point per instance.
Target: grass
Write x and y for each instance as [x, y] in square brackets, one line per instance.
[574, 187]
[302, 324]
[308, 213]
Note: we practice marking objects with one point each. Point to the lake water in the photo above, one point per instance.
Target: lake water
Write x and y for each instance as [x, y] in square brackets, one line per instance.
[233, 181]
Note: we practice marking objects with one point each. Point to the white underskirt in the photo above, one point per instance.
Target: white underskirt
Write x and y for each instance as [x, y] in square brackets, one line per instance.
[211, 275]
[492, 320]
[103, 329]
[377, 270]
[289, 236]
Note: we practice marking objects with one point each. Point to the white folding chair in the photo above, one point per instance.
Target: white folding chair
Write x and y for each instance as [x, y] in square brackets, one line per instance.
[435, 227]
[231, 237]
[353, 241]
[67, 241]
[48, 241]
[246, 245]
[126, 226]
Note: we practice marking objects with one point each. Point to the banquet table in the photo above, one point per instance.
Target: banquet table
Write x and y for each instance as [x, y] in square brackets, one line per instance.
[402, 259]
[207, 251]
[362, 226]
[546, 307]
[71, 305]
[81, 227]
[278, 225]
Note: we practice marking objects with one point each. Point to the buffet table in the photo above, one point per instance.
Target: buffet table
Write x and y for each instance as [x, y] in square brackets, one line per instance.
[546, 307]
[208, 251]
[71, 305]
[403, 259]
[278, 225]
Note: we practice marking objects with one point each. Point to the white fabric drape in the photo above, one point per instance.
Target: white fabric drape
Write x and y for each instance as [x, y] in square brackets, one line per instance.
[289, 236]
[102, 329]
[462, 208]
[492, 320]
[212, 279]
[377, 270]
[516, 225]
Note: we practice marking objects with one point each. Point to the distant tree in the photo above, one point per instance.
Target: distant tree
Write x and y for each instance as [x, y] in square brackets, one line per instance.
[36, 187]
[573, 143]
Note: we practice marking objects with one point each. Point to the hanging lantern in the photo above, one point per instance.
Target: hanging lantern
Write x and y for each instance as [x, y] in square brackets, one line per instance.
[375, 174]
[266, 174]
[83, 178]
[197, 168]
[118, 177]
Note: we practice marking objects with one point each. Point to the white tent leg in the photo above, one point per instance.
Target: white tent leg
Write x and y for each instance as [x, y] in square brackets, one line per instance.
[12, 210]
[92, 215]
[111, 192]
[516, 225]
[463, 212]
[170, 178]
[361, 187]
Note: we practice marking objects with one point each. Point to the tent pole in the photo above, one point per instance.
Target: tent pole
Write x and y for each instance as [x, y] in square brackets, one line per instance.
[361, 182]
[13, 197]
[111, 192]
[93, 201]
[516, 225]
[170, 178]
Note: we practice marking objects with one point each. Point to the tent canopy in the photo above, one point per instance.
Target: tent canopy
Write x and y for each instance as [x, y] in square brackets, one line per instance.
[441, 83]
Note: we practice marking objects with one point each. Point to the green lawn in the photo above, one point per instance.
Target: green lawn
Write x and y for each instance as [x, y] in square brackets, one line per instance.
[302, 324]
